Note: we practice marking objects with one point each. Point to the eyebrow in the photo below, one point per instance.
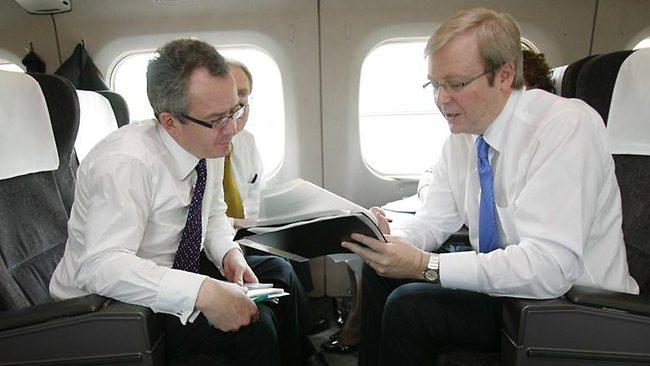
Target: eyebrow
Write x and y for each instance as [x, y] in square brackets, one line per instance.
[223, 114]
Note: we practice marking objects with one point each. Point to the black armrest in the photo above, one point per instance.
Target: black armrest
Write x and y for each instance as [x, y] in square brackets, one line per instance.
[588, 296]
[53, 310]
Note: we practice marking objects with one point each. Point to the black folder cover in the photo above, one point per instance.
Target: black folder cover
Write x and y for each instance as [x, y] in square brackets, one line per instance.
[311, 239]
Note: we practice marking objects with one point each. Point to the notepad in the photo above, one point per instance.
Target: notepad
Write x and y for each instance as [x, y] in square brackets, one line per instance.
[264, 294]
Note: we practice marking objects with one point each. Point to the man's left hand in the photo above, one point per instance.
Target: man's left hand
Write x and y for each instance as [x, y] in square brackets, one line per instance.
[395, 259]
[236, 269]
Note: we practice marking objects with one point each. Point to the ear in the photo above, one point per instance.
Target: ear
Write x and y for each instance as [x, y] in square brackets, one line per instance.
[170, 123]
[505, 76]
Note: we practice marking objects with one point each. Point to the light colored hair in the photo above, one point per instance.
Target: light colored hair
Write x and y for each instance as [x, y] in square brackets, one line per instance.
[499, 39]
[249, 76]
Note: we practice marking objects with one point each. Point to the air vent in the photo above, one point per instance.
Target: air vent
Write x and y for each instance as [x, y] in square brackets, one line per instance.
[45, 6]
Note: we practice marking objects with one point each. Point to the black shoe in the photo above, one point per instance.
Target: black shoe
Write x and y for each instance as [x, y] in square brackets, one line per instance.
[334, 345]
[335, 336]
[321, 325]
[316, 359]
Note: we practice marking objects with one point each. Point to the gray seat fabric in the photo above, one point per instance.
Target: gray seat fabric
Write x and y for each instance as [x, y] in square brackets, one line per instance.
[34, 329]
[570, 77]
[63, 105]
[32, 238]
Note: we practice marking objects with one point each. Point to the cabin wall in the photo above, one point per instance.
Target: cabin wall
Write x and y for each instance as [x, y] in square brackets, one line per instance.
[319, 47]
[18, 29]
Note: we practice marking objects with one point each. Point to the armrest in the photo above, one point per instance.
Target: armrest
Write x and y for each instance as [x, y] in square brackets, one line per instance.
[588, 296]
[52, 310]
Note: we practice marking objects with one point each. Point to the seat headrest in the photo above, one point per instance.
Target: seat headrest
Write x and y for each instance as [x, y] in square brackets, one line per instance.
[570, 77]
[597, 79]
[120, 107]
[96, 121]
[629, 114]
[26, 139]
[63, 105]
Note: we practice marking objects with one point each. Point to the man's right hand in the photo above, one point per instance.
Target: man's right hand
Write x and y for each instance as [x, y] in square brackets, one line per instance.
[225, 305]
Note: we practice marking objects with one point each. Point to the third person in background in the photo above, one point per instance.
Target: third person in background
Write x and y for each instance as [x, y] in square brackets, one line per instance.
[242, 183]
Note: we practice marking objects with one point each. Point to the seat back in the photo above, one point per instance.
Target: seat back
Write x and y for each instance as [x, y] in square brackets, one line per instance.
[32, 215]
[119, 105]
[629, 132]
[63, 106]
[570, 77]
[96, 122]
[596, 81]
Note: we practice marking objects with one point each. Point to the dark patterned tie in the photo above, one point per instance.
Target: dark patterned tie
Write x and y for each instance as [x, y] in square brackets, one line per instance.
[488, 236]
[187, 255]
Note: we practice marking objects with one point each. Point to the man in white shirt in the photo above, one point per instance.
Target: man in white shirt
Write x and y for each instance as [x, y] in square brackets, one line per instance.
[152, 185]
[247, 166]
[531, 176]
[247, 171]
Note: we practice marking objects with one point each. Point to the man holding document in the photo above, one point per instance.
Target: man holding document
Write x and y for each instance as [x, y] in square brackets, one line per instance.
[148, 206]
[529, 173]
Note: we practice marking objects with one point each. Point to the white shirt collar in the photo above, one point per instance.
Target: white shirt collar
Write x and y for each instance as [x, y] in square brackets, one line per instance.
[493, 135]
[184, 161]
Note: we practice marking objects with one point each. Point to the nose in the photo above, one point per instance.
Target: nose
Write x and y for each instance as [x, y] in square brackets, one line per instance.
[231, 127]
[441, 96]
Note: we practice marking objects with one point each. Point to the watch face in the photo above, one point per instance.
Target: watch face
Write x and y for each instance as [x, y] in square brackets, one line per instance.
[431, 275]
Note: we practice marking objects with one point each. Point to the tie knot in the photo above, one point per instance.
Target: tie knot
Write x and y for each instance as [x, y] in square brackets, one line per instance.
[482, 148]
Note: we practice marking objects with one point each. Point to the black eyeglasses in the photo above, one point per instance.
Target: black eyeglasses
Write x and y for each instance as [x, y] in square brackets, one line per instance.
[453, 87]
[219, 122]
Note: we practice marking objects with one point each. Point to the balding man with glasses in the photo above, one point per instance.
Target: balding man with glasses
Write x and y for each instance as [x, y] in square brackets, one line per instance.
[529, 173]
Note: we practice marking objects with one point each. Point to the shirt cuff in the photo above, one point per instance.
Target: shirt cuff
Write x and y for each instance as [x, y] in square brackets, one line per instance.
[221, 252]
[177, 295]
[459, 270]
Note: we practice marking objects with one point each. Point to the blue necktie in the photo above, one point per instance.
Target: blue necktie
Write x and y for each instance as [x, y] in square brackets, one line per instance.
[187, 255]
[488, 236]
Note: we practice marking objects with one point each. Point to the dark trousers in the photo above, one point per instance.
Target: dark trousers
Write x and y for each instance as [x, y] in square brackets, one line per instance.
[276, 339]
[410, 322]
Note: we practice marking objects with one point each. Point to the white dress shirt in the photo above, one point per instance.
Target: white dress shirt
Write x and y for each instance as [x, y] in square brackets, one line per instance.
[131, 202]
[248, 171]
[557, 201]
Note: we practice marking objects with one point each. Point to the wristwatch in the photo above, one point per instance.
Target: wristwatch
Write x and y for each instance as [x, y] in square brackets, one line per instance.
[431, 274]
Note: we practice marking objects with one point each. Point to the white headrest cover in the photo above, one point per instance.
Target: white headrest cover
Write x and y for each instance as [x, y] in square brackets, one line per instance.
[557, 76]
[26, 139]
[96, 121]
[628, 124]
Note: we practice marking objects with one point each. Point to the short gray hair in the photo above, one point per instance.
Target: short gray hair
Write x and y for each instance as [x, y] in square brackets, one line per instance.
[499, 39]
[243, 68]
[169, 72]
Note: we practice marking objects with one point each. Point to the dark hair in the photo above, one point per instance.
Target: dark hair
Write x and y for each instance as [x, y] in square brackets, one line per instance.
[536, 72]
[169, 72]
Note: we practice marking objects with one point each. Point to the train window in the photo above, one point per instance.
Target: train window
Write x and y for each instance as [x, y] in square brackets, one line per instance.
[643, 44]
[10, 66]
[266, 121]
[401, 129]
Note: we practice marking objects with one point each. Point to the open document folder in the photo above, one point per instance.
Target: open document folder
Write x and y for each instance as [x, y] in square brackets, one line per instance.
[299, 220]
[299, 200]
